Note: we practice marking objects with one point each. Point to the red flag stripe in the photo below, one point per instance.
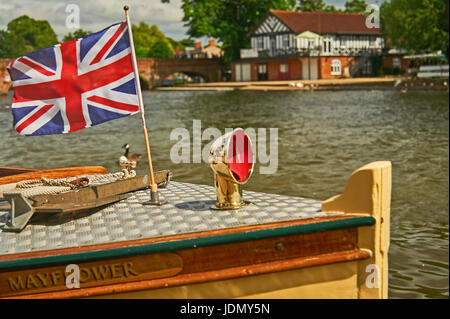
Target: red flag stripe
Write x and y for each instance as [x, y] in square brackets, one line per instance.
[115, 104]
[55, 89]
[108, 44]
[36, 67]
[33, 117]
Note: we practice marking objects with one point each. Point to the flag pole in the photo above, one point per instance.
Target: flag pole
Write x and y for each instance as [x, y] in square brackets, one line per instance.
[154, 196]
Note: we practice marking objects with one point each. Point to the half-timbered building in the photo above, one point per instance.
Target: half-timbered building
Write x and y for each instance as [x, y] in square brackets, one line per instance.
[291, 45]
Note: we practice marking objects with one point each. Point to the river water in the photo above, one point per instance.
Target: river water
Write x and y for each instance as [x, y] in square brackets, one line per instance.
[322, 137]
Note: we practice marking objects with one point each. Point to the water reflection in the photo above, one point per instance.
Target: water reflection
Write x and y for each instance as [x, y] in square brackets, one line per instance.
[323, 137]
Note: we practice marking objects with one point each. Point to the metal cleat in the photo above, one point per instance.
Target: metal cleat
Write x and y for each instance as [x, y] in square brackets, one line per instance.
[20, 212]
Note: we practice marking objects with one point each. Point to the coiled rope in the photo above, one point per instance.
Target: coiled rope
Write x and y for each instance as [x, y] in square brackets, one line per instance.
[47, 186]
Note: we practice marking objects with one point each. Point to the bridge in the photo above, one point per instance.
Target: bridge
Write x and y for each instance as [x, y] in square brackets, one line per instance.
[154, 71]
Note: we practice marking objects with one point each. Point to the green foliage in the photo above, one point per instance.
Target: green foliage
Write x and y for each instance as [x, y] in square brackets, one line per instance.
[160, 49]
[24, 35]
[80, 33]
[145, 37]
[229, 21]
[355, 6]
[175, 43]
[182, 44]
[316, 5]
[311, 5]
[10, 44]
[418, 25]
[330, 8]
[187, 43]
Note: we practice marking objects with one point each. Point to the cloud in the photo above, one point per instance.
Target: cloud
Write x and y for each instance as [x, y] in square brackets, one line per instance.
[95, 15]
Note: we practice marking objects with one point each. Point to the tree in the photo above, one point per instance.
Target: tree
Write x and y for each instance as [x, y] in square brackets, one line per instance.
[417, 25]
[316, 5]
[355, 6]
[145, 37]
[36, 33]
[187, 42]
[160, 49]
[182, 44]
[80, 33]
[6, 45]
[24, 35]
[175, 43]
[229, 21]
[311, 5]
[330, 8]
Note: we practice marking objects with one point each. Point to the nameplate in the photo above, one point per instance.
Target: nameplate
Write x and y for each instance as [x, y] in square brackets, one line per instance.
[89, 274]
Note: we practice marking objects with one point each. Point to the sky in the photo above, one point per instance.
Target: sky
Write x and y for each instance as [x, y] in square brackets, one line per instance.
[95, 15]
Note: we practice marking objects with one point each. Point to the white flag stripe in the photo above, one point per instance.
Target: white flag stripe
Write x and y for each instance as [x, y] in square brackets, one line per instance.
[114, 44]
[36, 76]
[43, 119]
[37, 63]
[111, 109]
[84, 65]
[107, 91]
[91, 54]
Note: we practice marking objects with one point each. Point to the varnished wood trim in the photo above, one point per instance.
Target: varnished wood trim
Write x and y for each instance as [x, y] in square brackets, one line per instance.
[267, 250]
[92, 274]
[54, 173]
[187, 279]
[196, 260]
[13, 170]
[178, 242]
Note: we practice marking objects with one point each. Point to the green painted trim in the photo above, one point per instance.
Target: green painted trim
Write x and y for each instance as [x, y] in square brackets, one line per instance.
[171, 246]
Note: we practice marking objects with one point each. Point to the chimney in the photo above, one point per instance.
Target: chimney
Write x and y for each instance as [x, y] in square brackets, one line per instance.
[198, 45]
[212, 42]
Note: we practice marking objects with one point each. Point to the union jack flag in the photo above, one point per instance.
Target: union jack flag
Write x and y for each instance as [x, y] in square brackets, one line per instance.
[74, 85]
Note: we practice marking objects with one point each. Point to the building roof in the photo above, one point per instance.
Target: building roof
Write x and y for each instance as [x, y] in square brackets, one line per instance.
[325, 22]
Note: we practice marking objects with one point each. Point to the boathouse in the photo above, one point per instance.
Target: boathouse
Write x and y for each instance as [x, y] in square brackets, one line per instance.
[297, 45]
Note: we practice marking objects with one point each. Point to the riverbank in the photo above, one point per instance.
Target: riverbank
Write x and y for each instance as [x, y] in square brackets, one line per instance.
[401, 84]
[386, 83]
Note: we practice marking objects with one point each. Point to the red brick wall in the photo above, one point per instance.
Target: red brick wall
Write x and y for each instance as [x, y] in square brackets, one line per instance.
[4, 75]
[146, 67]
[295, 69]
[254, 70]
[325, 67]
[272, 69]
[388, 62]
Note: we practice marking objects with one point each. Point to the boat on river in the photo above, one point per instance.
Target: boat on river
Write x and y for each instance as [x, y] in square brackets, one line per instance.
[276, 247]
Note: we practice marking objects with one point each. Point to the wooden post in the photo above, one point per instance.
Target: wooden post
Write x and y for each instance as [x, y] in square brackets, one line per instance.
[154, 196]
[368, 192]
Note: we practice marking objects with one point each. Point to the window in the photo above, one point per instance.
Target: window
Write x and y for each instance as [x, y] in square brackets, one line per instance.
[284, 68]
[260, 43]
[285, 41]
[396, 63]
[367, 68]
[327, 45]
[336, 67]
[262, 68]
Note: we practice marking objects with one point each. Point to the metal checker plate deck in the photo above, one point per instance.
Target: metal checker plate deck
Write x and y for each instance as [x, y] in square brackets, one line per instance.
[188, 211]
